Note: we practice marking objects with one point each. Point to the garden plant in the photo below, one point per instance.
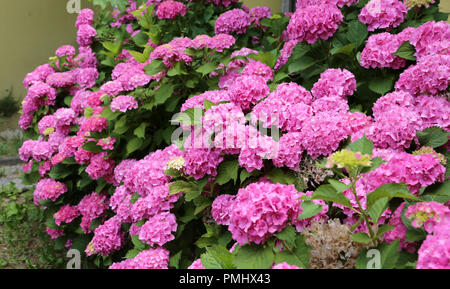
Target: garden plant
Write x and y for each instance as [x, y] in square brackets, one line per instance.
[204, 134]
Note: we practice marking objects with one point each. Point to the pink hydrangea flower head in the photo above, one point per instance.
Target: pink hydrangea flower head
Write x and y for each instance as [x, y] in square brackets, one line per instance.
[170, 10]
[85, 17]
[380, 14]
[66, 214]
[248, 90]
[261, 210]
[258, 68]
[335, 82]
[435, 250]
[233, 21]
[157, 258]
[285, 265]
[123, 103]
[427, 214]
[65, 51]
[108, 238]
[314, 22]
[221, 209]
[379, 49]
[158, 229]
[48, 189]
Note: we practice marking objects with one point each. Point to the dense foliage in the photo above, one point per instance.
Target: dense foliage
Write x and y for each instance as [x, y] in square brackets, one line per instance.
[204, 134]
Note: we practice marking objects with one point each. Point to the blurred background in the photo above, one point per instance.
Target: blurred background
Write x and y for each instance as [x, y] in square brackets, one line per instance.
[32, 30]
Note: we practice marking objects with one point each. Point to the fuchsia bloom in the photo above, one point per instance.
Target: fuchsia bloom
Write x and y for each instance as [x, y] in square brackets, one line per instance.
[314, 22]
[290, 151]
[85, 17]
[55, 233]
[158, 229]
[222, 208]
[108, 238]
[435, 250]
[233, 21]
[149, 259]
[431, 38]
[285, 265]
[285, 53]
[91, 207]
[170, 10]
[85, 35]
[379, 50]
[427, 214]
[336, 83]
[248, 90]
[379, 14]
[261, 210]
[65, 50]
[258, 13]
[48, 189]
[66, 214]
[123, 103]
[258, 68]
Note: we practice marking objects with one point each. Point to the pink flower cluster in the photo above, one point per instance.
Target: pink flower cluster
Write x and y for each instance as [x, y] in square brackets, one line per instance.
[379, 50]
[335, 83]
[170, 10]
[149, 259]
[380, 14]
[427, 214]
[314, 22]
[108, 238]
[91, 207]
[123, 103]
[233, 21]
[261, 210]
[435, 250]
[158, 229]
[48, 189]
[399, 231]
[285, 265]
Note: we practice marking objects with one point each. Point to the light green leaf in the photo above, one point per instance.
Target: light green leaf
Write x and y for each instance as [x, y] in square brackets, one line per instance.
[227, 171]
[253, 257]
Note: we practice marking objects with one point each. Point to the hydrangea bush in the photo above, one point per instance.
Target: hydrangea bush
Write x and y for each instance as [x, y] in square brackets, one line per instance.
[204, 134]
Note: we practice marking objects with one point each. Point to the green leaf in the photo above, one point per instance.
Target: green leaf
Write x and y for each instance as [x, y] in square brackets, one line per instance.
[389, 191]
[381, 84]
[361, 238]
[121, 126]
[299, 256]
[181, 187]
[132, 253]
[60, 171]
[175, 260]
[388, 254]
[108, 114]
[133, 145]
[191, 116]
[288, 235]
[301, 64]
[207, 68]
[227, 171]
[278, 176]
[406, 51]
[221, 255]
[378, 208]
[309, 210]
[138, 244]
[383, 229]
[433, 137]
[362, 145]
[357, 33]
[140, 131]
[155, 67]
[140, 57]
[339, 186]
[164, 92]
[329, 194]
[253, 257]
[347, 49]
[92, 147]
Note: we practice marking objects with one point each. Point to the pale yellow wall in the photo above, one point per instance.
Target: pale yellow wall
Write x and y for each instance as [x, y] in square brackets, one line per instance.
[30, 32]
[274, 5]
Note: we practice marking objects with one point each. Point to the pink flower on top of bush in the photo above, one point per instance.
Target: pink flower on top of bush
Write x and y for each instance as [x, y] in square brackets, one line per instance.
[85, 34]
[261, 210]
[100, 166]
[38, 75]
[91, 207]
[428, 38]
[391, 101]
[220, 116]
[55, 233]
[65, 50]
[221, 209]
[61, 79]
[202, 161]
[85, 17]
[157, 258]
[290, 151]
[48, 189]
[380, 14]
[430, 75]
[170, 10]
[379, 52]
[248, 90]
[233, 21]
[220, 42]
[435, 250]
[108, 238]
[314, 22]
[66, 214]
[427, 214]
[336, 83]
[285, 53]
[158, 229]
[433, 110]
[258, 68]
[258, 13]
[123, 103]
